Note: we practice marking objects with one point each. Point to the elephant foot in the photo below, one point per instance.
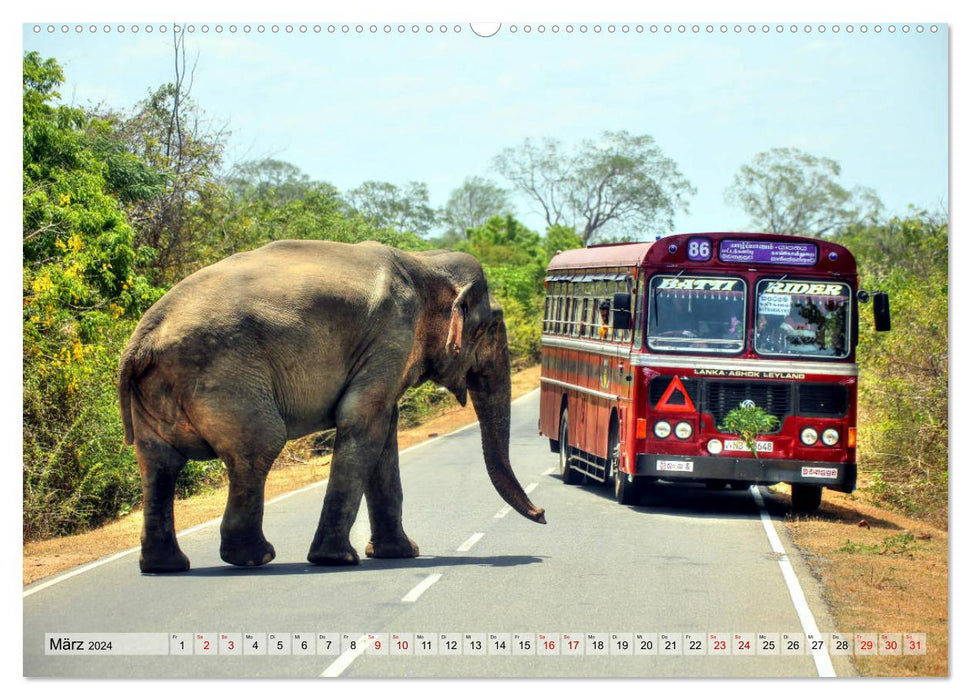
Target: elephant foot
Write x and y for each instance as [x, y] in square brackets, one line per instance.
[168, 561]
[401, 548]
[241, 554]
[323, 556]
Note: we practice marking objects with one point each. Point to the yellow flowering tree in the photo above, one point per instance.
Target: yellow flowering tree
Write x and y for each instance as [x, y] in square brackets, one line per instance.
[81, 296]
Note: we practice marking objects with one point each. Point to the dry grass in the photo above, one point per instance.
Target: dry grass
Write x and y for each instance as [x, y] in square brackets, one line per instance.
[881, 572]
[48, 557]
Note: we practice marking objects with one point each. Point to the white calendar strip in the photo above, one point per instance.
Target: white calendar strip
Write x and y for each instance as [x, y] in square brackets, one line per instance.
[485, 644]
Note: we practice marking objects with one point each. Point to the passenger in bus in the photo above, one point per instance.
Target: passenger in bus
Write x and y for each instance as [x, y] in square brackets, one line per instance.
[604, 310]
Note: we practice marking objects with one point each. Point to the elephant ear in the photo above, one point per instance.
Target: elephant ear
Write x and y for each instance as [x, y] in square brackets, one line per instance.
[456, 322]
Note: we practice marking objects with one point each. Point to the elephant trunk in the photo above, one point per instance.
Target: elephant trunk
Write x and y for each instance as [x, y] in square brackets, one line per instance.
[490, 388]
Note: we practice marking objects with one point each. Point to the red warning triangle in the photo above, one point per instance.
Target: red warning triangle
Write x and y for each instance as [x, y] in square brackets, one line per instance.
[676, 385]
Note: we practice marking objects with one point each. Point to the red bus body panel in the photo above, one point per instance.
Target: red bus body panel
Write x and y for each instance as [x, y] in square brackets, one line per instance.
[602, 378]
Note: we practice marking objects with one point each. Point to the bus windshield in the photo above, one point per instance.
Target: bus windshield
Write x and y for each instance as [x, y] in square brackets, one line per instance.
[690, 314]
[802, 318]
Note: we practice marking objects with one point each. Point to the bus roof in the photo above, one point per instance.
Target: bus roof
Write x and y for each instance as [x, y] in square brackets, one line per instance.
[829, 257]
[618, 255]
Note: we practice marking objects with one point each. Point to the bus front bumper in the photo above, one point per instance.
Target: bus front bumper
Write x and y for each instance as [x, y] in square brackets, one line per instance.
[833, 475]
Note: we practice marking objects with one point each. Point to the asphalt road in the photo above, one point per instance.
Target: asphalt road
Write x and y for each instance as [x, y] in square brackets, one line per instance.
[685, 563]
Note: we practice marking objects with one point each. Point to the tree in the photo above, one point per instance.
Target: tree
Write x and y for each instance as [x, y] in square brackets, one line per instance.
[472, 204]
[620, 180]
[903, 395]
[787, 191]
[82, 292]
[559, 238]
[170, 132]
[386, 205]
[268, 179]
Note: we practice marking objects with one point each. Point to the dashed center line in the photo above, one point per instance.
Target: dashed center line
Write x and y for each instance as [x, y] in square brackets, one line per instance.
[344, 660]
[415, 593]
[504, 511]
[551, 470]
[467, 545]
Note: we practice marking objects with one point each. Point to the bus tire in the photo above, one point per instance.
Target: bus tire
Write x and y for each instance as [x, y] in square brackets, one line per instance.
[806, 498]
[625, 490]
[567, 474]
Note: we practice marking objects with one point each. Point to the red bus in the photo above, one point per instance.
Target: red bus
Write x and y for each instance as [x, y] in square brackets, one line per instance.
[648, 346]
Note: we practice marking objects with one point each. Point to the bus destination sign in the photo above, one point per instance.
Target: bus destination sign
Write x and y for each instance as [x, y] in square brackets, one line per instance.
[768, 252]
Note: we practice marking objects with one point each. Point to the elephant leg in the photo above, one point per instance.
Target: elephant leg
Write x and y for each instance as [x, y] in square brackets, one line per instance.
[243, 543]
[384, 497]
[363, 420]
[160, 465]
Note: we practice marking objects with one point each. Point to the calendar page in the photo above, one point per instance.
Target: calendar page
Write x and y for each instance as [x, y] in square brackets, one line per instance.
[262, 258]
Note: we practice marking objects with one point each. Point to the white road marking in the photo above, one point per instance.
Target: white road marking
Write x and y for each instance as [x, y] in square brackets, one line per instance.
[135, 550]
[551, 470]
[344, 660]
[467, 545]
[529, 489]
[284, 496]
[824, 665]
[415, 593]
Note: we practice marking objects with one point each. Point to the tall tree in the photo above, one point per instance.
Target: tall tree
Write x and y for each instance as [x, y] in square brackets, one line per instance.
[788, 191]
[620, 180]
[170, 132]
[81, 293]
[472, 204]
[268, 179]
[383, 204]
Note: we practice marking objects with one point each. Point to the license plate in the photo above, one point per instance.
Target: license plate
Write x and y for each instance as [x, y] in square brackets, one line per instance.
[740, 446]
[820, 472]
[670, 465]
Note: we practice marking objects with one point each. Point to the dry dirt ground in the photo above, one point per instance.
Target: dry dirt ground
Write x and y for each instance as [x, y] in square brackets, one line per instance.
[880, 572]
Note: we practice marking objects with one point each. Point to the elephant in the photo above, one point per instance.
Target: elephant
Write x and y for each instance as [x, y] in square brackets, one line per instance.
[295, 337]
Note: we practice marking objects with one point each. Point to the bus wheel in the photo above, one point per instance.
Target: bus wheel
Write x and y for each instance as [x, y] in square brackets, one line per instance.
[625, 491]
[568, 475]
[806, 498]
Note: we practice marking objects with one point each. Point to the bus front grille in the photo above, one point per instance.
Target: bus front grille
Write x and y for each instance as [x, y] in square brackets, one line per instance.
[774, 398]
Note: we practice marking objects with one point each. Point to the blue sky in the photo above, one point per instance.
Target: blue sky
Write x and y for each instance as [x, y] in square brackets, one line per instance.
[436, 107]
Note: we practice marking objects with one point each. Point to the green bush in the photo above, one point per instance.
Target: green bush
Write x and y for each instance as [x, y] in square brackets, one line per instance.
[749, 422]
[903, 400]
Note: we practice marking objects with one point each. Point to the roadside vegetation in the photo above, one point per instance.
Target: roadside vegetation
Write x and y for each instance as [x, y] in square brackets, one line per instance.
[121, 202]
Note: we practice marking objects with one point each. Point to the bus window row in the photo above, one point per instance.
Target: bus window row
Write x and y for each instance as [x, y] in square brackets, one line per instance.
[579, 306]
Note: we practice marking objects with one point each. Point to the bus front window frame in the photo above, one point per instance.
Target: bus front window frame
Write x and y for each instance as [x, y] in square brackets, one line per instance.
[795, 334]
[691, 341]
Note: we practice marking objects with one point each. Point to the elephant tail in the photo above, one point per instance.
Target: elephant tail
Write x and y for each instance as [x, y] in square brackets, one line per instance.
[134, 361]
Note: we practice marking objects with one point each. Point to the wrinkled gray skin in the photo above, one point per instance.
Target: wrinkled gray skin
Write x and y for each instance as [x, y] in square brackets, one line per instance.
[296, 337]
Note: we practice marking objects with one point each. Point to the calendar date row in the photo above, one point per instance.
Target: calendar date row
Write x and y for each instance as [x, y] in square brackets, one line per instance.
[485, 643]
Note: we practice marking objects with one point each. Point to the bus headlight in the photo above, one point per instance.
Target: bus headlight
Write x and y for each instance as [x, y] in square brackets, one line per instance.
[830, 437]
[715, 446]
[809, 436]
[662, 429]
[683, 430]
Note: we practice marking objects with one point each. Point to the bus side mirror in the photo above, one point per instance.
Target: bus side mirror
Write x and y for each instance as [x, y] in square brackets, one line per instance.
[621, 312]
[881, 311]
